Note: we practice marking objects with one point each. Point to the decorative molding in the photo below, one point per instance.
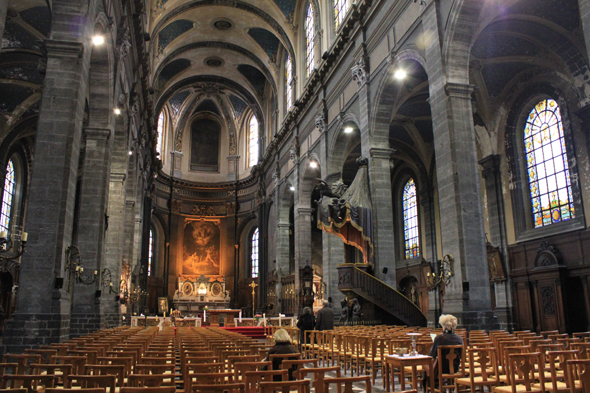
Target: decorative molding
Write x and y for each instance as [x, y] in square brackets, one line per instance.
[124, 43]
[547, 255]
[231, 208]
[548, 300]
[203, 210]
[176, 206]
[359, 72]
[459, 90]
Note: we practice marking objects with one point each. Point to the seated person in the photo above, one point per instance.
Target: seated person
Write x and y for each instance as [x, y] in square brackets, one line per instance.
[448, 337]
[282, 346]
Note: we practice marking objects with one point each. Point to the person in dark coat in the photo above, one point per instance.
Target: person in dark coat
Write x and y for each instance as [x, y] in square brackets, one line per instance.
[305, 323]
[282, 346]
[448, 337]
[325, 317]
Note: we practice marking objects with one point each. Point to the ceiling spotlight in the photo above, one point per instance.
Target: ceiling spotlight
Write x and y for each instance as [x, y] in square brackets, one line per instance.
[400, 74]
[348, 130]
[117, 111]
[292, 188]
[313, 164]
[130, 152]
[98, 40]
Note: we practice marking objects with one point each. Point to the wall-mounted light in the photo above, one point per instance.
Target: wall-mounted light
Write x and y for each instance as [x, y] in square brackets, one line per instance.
[313, 164]
[348, 130]
[292, 188]
[130, 152]
[117, 111]
[98, 39]
[400, 74]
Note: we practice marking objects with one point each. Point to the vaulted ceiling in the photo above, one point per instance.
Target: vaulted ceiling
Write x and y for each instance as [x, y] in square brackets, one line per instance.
[225, 47]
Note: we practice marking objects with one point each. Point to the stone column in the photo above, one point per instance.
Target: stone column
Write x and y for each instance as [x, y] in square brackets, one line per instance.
[43, 312]
[381, 199]
[302, 243]
[282, 257]
[3, 11]
[584, 6]
[463, 236]
[333, 255]
[493, 184]
[92, 223]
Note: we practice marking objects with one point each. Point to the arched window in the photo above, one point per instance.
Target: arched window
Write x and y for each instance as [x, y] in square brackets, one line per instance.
[411, 229]
[289, 82]
[160, 133]
[8, 197]
[253, 142]
[150, 253]
[309, 40]
[340, 9]
[254, 256]
[547, 165]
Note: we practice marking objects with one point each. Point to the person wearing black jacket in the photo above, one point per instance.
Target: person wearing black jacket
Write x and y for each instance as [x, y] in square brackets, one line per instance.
[325, 317]
[305, 323]
[282, 346]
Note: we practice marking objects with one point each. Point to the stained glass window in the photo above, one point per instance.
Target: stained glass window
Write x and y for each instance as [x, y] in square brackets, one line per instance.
[160, 133]
[8, 197]
[150, 253]
[253, 142]
[547, 165]
[340, 9]
[255, 253]
[411, 230]
[310, 40]
[289, 82]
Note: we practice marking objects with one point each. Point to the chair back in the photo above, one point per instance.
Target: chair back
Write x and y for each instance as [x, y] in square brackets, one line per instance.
[226, 388]
[285, 387]
[254, 378]
[93, 381]
[345, 385]
[522, 371]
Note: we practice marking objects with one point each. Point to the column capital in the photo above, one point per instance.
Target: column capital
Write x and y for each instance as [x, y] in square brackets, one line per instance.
[60, 49]
[381, 153]
[283, 225]
[117, 177]
[459, 90]
[176, 153]
[97, 133]
[305, 210]
[491, 165]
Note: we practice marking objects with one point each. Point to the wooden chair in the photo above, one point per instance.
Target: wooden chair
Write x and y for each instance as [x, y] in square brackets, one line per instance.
[163, 389]
[254, 378]
[154, 368]
[557, 381]
[151, 380]
[286, 387]
[227, 388]
[122, 361]
[23, 361]
[85, 390]
[376, 357]
[33, 383]
[347, 383]
[110, 369]
[10, 390]
[209, 379]
[60, 371]
[242, 367]
[93, 381]
[293, 365]
[12, 368]
[77, 362]
[277, 359]
[579, 375]
[521, 369]
[447, 354]
[483, 370]
[45, 353]
[232, 360]
[319, 374]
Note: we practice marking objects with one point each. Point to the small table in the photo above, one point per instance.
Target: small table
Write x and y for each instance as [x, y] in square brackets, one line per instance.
[392, 361]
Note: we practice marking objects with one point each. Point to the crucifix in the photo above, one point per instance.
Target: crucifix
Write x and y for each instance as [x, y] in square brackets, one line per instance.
[253, 285]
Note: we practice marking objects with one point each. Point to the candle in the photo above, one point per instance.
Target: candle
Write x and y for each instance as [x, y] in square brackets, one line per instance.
[204, 315]
[280, 320]
[24, 236]
[240, 316]
[111, 284]
[95, 272]
[164, 314]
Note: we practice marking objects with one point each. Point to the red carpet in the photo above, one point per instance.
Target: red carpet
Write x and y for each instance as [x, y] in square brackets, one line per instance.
[254, 332]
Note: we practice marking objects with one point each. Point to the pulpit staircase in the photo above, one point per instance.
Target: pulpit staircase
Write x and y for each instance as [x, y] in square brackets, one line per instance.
[398, 309]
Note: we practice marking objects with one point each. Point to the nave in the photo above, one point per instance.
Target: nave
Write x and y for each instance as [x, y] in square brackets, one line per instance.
[347, 359]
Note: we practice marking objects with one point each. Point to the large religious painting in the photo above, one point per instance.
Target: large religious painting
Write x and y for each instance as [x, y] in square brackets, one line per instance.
[201, 247]
[205, 144]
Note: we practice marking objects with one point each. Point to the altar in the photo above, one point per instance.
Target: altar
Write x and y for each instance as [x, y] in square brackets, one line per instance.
[143, 321]
[195, 293]
[213, 316]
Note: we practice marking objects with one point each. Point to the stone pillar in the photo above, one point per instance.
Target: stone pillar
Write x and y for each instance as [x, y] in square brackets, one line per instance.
[584, 6]
[493, 184]
[43, 312]
[302, 243]
[231, 206]
[3, 11]
[333, 255]
[463, 236]
[92, 223]
[176, 164]
[282, 255]
[382, 201]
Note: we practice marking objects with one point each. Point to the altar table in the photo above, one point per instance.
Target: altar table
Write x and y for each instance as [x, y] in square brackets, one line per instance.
[213, 316]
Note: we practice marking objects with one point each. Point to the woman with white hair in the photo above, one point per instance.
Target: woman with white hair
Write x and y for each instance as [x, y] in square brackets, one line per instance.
[282, 346]
[448, 337]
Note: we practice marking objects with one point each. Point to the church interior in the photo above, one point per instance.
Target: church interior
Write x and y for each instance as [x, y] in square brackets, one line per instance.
[231, 162]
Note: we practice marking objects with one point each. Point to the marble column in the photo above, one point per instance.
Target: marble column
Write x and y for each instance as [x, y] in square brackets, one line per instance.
[92, 223]
[43, 309]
